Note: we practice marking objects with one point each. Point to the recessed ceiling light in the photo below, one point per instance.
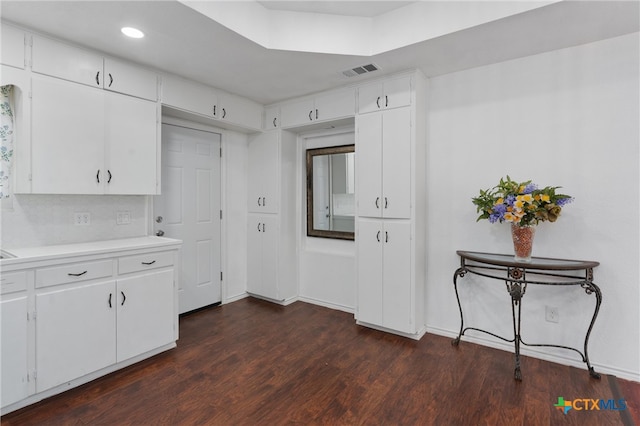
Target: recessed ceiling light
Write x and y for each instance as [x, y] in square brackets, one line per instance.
[132, 32]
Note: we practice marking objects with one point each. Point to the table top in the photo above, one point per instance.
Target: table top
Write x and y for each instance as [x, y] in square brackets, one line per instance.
[539, 263]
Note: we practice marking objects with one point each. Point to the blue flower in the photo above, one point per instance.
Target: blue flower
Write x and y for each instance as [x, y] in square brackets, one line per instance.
[510, 199]
[563, 201]
[530, 188]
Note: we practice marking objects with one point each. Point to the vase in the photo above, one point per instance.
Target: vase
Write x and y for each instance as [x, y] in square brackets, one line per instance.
[522, 236]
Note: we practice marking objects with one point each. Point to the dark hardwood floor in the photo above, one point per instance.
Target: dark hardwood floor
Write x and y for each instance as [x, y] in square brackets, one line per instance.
[255, 363]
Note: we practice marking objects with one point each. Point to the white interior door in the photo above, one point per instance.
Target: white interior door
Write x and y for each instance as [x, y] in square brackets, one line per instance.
[190, 210]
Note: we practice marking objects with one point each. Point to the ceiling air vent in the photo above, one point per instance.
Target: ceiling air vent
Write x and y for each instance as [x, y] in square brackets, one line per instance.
[363, 69]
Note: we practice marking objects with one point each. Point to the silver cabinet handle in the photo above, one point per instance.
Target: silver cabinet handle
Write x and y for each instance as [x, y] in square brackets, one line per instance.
[159, 233]
[377, 202]
[77, 275]
[386, 202]
[264, 201]
[259, 201]
[378, 236]
[386, 237]
[274, 122]
[310, 118]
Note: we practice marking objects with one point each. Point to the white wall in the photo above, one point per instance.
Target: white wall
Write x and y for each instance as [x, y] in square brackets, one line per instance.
[234, 252]
[569, 118]
[35, 220]
[327, 266]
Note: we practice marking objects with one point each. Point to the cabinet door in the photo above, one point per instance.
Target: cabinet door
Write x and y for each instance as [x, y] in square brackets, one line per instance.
[397, 92]
[271, 118]
[13, 314]
[67, 62]
[396, 163]
[369, 258]
[297, 113]
[67, 137]
[264, 154]
[396, 295]
[369, 164]
[189, 96]
[12, 46]
[270, 256]
[254, 254]
[336, 104]
[146, 313]
[128, 79]
[237, 110]
[131, 132]
[369, 96]
[75, 332]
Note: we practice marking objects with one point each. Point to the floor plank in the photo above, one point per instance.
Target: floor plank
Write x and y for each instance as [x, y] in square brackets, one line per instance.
[255, 363]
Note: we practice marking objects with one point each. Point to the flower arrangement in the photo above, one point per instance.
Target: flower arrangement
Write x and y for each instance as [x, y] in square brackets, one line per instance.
[521, 203]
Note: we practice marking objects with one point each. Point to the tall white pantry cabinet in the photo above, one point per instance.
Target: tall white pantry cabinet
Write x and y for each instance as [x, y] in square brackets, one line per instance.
[391, 129]
[271, 250]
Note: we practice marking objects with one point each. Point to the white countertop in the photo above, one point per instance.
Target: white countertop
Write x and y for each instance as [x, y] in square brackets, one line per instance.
[28, 254]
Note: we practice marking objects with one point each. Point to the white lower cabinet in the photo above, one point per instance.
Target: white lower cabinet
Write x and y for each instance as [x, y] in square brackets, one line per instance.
[262, 276]
[75, 332]
[72, 318]
[385, 296]
[145, 318]
[14, 373]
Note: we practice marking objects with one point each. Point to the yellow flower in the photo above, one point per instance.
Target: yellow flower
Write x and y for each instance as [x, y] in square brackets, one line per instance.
[527, 198]
[499, 201]
[521, 189]
[545, 198]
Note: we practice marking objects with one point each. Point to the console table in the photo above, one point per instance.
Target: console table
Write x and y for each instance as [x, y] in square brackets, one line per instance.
[517, 276]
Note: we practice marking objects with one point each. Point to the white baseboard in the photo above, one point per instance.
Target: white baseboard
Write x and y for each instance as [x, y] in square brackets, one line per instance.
[330, 305]
[538, 353]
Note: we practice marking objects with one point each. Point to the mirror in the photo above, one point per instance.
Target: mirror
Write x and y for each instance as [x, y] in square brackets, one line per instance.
[331, 192]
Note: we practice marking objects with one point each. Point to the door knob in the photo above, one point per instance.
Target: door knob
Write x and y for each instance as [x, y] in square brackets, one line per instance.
[159, 219]
[160, 233]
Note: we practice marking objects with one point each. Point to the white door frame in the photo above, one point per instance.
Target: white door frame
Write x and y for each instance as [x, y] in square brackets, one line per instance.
[223, 193]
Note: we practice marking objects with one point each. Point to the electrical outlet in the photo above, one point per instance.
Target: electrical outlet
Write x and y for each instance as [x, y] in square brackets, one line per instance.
[551, 314]
[123, 218]
[82, 218]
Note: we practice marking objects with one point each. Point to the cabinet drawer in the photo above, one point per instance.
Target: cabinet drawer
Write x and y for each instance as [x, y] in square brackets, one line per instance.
[13, 281]
[73, 272]
[143, 262]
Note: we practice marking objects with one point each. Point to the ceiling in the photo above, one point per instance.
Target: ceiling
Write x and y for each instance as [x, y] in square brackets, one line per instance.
[183, 41]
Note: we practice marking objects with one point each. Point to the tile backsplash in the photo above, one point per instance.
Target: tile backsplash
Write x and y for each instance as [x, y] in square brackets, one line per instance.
[37, 220]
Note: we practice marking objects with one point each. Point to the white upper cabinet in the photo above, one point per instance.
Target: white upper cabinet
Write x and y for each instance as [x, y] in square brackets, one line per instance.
[264, 165]
[85, 67]
[391, 93]
[68, 126]
[384, 164]
[128, 79]
[189, 96]
[67, 62]
[231, 111]
[240, 111]
[131, 145]
[271, 118]
[12, 46]
[328, 106]
[102, 142]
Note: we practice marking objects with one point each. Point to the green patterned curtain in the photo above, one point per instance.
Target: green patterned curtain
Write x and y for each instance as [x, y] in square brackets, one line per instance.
[6, 139]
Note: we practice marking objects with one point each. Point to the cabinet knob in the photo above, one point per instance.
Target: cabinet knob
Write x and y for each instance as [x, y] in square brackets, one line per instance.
[378, 102]
[98, 176]
[109, 173]
[123, 298]
[160, 233]
[377, 202]
[159, 219]
[310, 118]
[386, 202]
[274, 122]
[98, 78]
[110, 79]
[386, 101]
[224, 113]
[378, 236]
